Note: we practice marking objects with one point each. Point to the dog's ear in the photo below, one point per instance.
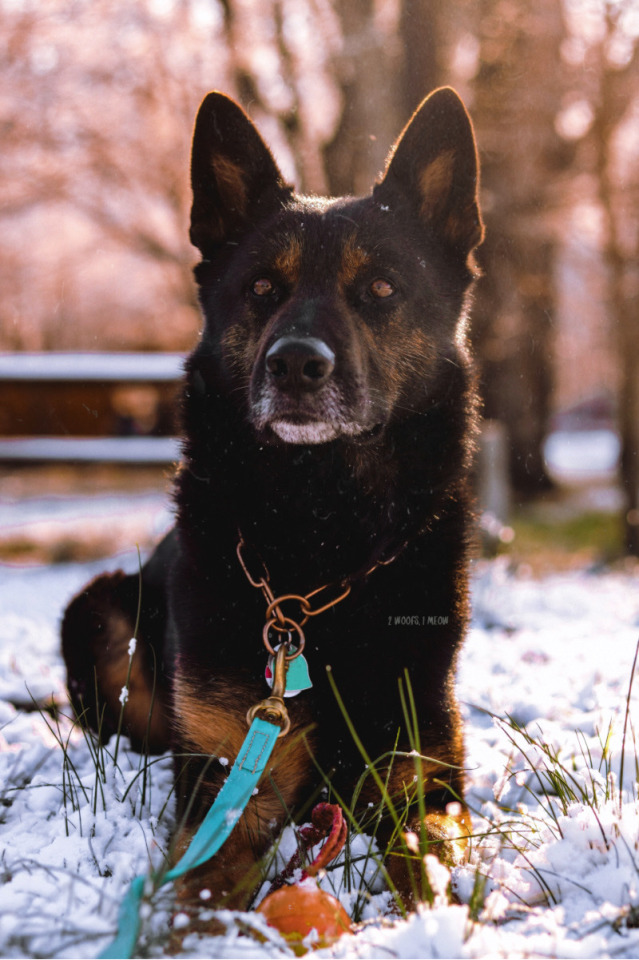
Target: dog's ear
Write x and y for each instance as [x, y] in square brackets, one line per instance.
[234, 177]
[434, 165]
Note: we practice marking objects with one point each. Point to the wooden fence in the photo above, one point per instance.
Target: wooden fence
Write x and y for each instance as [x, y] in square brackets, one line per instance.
[89, 407]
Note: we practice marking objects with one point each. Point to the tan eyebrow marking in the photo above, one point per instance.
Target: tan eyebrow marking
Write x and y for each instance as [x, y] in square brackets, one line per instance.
[353, 259]
[289, 260]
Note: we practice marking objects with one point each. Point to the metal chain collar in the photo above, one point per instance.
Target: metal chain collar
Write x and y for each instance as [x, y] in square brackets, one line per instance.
[273, 708]
[275, 619]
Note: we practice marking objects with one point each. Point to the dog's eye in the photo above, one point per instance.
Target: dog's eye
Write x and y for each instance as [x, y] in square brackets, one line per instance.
[263, 287]
[381, 289]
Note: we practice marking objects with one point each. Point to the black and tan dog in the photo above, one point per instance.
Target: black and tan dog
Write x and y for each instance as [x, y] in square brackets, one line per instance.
[328, 417]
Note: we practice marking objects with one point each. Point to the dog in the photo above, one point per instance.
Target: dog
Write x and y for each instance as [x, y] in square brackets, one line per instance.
[329, 411]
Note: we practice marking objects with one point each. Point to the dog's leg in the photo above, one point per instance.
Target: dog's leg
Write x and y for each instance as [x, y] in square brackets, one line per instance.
[96, 641]
[215, 729]
[227, 881]
[446, 824]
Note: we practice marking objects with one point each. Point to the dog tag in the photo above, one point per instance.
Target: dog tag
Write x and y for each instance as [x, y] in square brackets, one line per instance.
[297, 675]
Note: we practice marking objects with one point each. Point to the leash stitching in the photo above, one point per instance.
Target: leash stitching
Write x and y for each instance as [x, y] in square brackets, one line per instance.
[245, 757]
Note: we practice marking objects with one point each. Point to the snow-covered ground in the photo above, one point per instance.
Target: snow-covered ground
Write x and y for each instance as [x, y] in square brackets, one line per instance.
[582, 454]
[553, 656]
[82, 525]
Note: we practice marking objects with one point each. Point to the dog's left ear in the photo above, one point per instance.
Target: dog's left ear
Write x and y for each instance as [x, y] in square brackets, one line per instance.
[434, 166]
[236, 182]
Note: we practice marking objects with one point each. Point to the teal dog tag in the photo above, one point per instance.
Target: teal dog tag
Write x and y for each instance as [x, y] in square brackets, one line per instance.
[297, 675]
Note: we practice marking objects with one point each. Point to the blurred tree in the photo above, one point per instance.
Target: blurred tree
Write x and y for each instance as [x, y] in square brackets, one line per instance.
[393, 54]
[97, 101]
[423, 63]
[614, 141]
[368, 69]
[517, 92]
[94, 170]
[281, 57]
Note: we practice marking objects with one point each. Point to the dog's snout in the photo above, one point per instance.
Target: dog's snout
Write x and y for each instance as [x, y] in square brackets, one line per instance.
[300, 363]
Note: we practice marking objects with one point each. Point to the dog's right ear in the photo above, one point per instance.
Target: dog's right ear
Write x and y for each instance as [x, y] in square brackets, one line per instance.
[235, 179]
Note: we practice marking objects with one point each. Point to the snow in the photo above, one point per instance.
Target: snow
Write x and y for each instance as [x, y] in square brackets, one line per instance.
[92, 450]
[543, 681]
[101, 367]
[577, 455]
[97, 523]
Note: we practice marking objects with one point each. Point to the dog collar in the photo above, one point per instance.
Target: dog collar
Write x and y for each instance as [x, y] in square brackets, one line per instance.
[286, 669]
[289, 627]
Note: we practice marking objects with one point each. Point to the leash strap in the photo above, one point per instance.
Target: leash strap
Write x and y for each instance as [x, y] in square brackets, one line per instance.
[220, 820]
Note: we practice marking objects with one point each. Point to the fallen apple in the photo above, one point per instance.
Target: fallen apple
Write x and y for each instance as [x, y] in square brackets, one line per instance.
[297, 909]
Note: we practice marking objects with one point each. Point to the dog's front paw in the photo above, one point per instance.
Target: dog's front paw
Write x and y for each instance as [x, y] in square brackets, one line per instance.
[444, 834]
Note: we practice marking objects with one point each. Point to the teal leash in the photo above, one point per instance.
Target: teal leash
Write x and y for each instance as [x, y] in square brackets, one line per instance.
[228, 807]
[216, 827]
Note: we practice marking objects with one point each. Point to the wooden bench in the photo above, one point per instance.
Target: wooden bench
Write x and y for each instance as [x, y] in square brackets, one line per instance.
[89, 407]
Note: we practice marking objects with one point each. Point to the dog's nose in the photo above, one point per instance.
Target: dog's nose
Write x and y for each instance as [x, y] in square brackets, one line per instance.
[300, 363]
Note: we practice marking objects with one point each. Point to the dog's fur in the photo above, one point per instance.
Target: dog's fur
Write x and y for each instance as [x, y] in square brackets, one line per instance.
[328, 415]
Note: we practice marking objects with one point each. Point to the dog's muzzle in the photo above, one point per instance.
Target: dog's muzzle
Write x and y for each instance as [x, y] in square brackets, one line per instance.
[298, 395]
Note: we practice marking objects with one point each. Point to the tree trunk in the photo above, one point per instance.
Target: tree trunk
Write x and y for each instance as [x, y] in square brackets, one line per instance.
[620, 208]
[371, 119]
[629, 422]
[422, 42]
[517, 93]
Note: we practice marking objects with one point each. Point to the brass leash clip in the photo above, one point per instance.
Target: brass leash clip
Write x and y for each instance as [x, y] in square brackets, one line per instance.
[273, 708]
